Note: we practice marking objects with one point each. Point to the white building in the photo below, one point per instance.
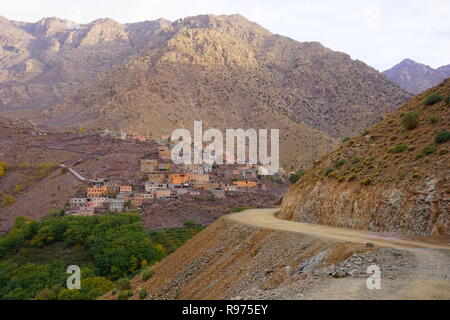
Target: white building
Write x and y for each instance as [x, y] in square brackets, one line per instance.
[116, 205]
[150, 186]
[77, 202]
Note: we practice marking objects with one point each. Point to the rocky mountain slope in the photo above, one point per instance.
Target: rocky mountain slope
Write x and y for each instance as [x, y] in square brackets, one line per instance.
[393, 177]
[224, 70]
[416, 77]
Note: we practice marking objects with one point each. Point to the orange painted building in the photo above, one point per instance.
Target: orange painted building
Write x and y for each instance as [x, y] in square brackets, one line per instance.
[179, 178]
[156, 177]
[97, 192]
[126, 189]
[245, 184]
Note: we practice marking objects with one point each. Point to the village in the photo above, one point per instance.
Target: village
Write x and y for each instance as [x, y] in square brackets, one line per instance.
[159, 180]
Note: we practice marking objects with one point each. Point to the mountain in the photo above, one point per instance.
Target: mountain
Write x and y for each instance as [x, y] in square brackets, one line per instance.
[394, 178]
[416, 77]
[153, 77]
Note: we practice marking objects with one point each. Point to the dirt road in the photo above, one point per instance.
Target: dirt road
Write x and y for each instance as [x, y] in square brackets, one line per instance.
[428, 279]
[266, 219]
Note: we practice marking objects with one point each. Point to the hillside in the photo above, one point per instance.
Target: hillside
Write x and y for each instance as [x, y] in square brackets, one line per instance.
[416, 77]
[234, 259]
[225, 70]
[393, 177]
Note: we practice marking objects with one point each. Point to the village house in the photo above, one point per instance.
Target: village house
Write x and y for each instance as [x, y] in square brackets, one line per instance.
[116, 205]
[112, 187]
[164, 167]
[193, 168]
[228, 187]
[139, 137]
[181, 192]
[149, 165]
[205, 186]
[150, 187]
[136, 200]
[147, 197]
[126, 189]
[164, 153]
[77, 202]
[163, 193]
[96, 202]
[179, 178]
[121, 136]
[97, 192]
[124, 196]
[98, 182]
[156, 177]
[245, 184]
[248, 174]
[203, 178]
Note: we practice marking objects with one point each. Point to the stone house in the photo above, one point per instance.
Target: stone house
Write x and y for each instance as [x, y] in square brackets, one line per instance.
[162, 193]
[150, 187]
[97, 192]
[77, 202]
[116, 205]
[149, 165]
[156, 177]
[245, 184]
[126, 189]
[147, 197]
[179, 178]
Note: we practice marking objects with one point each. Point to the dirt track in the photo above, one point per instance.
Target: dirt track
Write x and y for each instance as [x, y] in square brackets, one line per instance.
[430, 279]
[266, 219]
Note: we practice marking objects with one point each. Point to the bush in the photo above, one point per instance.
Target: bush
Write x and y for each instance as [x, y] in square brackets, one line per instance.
[123, 284]
[365, 132]
[18, 188]
[294, 177]
[434, 120]
[366, 182]
[432, 99]
[429, 150]
[356, 160]
[143, 294]
[147, 274]
[442, 137]
[124, 295]
[8, 200]
[410, 120]
[339, 163]
[398, 149]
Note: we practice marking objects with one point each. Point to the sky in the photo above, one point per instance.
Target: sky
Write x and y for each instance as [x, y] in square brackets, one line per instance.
[379, 32]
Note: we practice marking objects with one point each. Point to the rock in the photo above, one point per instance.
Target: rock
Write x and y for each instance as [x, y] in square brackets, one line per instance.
[370, 245]
[339, 274]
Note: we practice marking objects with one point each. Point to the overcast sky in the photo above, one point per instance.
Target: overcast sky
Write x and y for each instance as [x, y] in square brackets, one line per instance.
[378, 32]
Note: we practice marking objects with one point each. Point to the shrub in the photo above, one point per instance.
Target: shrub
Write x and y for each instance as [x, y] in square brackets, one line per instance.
[143, 293]
[365, 132]
[346, 139]
[147, 274]
[294, 177]
[44, 169]
[18, 188]
[339, 163]
[442, 137]
[429, 150]
[410, 120]
[8, 200]
[356, 160]
[24, 165]
[366, 182]
[398, 149]
[432, 99]
[434, 120]
[124, 295]
[328, 171]
[123, 284]
[352, 177]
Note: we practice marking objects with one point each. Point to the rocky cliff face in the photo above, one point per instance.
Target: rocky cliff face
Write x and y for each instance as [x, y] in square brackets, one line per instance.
[416, 77]
[389, 179]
